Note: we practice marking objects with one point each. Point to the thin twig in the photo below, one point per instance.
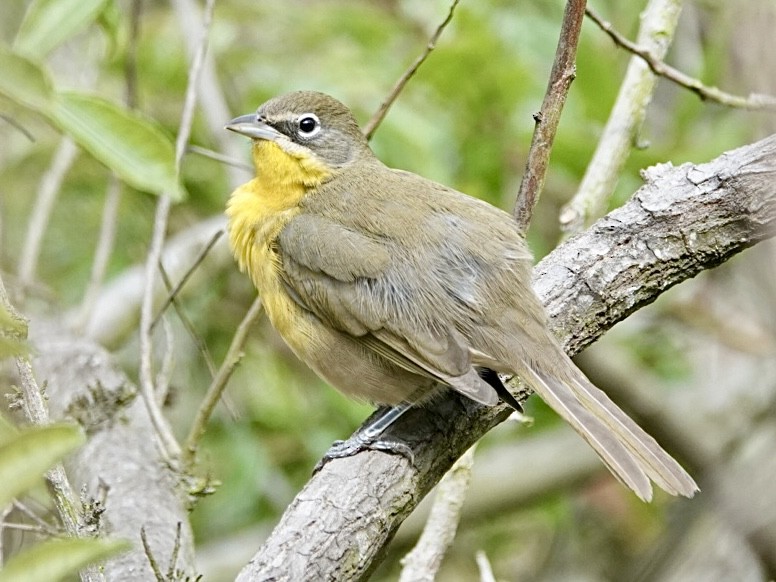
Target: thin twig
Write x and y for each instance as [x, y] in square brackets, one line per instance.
[164, 377]
[658, 25]
[422, 563]
[174, 557]
[39, 521]
[173, 293]
[150, 557]
[18, 126]
[372, 125]
[218, 157]
[754, 101]
[107, 237]
[169, 445]
[50, 185]
[548, 117]
[233, 356]
[483, 565]
[109, 222]
[186, 321]
[36, 410]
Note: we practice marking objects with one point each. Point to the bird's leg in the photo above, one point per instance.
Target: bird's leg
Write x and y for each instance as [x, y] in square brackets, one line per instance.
[368, 437]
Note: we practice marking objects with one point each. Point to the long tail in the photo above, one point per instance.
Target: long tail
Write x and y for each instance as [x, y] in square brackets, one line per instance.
[631, 454]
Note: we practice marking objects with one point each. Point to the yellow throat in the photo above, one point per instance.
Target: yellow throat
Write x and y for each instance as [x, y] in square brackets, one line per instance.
[259, 209]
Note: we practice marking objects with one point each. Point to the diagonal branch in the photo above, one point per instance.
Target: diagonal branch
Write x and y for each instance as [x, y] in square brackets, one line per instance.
[684, 220]
[372, 125]
[755, 101]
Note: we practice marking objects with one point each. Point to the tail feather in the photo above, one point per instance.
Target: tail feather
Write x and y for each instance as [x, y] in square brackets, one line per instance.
[612, 451]
[632, 455]
[659, 465]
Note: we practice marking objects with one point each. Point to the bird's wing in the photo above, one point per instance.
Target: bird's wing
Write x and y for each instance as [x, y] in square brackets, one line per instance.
[353, 283]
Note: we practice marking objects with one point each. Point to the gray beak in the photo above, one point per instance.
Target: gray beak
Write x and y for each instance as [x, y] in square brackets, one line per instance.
[250, 126]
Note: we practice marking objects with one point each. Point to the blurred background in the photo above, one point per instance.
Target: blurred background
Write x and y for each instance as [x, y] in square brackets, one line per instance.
[698, 367]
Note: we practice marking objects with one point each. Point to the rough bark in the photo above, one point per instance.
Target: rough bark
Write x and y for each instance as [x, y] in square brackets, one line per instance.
[120, 466]
[682, 221]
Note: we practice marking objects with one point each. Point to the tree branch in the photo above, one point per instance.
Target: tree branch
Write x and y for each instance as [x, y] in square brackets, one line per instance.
[658, 25]
[754, 101]
[547, 119]
[682, 221]
[376, 119]
[119, 470]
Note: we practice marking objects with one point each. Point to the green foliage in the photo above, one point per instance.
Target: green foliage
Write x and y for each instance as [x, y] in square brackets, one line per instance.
[53, 560]
[48, 23]
[24, 456]
[128, 142]
[23, 459]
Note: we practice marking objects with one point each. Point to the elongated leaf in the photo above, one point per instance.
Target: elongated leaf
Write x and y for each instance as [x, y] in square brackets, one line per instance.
[54, 559]
[24, 82]
[26, 457]
[49, 23]
[129, 143]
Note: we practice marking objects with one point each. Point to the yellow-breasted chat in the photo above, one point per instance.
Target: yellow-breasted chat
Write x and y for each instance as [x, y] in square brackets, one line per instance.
[393, 287]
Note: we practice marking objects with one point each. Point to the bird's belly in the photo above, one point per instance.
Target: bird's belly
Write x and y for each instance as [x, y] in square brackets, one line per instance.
[341, 359]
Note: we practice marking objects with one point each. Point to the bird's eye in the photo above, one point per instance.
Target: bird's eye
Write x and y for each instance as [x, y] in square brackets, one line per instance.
[309, 125]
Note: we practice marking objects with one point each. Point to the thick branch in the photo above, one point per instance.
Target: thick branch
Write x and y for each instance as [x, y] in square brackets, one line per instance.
[682, 221]
[119, 469]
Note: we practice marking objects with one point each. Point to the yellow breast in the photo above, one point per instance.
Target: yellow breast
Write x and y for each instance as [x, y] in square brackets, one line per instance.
[258, 211]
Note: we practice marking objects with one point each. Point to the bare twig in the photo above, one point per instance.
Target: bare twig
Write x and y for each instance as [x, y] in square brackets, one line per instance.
[233, 356]
[218, 157]
[49, 187]
[423, 562]
[658, 24]
[483, 564]
[372, 125]
[110, 211]
[150, 557]
[214, 109]
[104, 248]
[186, 321]
[754, 101]
[167, 440]
[548, 117]
[173, 292]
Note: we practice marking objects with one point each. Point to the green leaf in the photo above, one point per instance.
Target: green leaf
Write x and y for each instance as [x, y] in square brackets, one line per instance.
[52, 560]
[48, 23]
[130, 144]
[26, 457]
[24, 82]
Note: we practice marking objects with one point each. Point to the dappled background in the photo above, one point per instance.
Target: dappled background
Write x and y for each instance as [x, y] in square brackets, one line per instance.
[698, 367]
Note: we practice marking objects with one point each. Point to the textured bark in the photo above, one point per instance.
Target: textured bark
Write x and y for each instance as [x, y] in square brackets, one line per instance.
[120, 464]
[684, 220]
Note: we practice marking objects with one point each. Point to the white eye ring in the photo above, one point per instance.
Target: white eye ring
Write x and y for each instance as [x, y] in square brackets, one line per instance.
[308, 125]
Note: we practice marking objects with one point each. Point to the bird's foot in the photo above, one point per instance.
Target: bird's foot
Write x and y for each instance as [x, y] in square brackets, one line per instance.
[364, 441]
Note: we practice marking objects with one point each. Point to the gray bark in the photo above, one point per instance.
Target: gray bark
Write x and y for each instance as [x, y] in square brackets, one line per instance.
[120, 465]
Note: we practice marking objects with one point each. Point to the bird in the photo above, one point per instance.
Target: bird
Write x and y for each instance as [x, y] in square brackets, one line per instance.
[394, 288]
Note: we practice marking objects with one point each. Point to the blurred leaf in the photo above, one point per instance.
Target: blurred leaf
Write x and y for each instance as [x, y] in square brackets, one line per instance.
[25, 458]
[49, 23]
[54, 559]
[24, 82]
[7, 431]
[129, 143]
